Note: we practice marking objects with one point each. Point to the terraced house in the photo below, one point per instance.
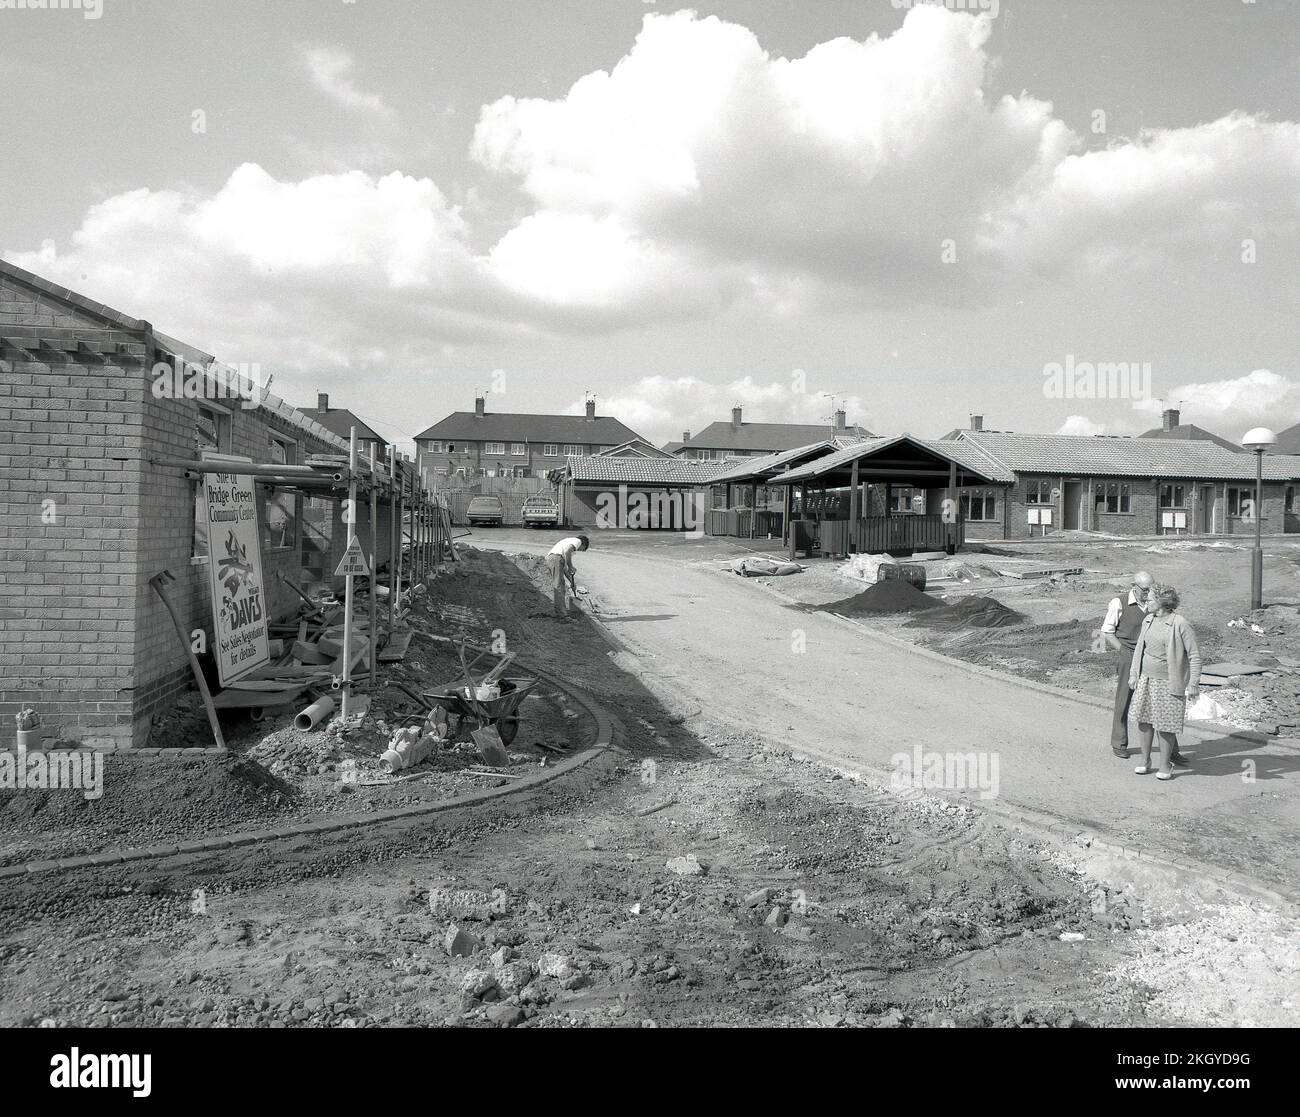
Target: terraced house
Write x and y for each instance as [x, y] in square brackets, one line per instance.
[469, 445]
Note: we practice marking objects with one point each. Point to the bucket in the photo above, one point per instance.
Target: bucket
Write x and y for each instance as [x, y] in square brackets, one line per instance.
[912, 572]
[488, 693]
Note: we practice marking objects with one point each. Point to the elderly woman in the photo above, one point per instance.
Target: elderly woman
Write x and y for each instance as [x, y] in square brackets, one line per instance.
[1166, 672]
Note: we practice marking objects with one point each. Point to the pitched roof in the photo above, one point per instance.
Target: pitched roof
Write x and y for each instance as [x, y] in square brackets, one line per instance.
[671, 447]
[766, 436]
[341, 421]
[603, 430]
[969, 458]
[758, 468]
[636, 448]
[644, 471]
[1124, 457]
[1192, 433]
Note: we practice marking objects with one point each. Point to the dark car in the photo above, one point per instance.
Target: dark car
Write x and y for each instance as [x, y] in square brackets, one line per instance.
[485, 510]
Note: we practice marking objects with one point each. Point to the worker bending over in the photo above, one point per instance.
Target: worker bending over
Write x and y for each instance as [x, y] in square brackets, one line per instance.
[560, 563]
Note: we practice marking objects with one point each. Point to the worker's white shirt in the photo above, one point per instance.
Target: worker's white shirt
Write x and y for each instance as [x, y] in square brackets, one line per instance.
[565, 547]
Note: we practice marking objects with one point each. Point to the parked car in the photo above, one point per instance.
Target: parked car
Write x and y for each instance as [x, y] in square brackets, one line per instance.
[541, 510]
[485, 510]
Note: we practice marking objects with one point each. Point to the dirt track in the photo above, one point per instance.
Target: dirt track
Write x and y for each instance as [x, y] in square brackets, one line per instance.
[885, 909]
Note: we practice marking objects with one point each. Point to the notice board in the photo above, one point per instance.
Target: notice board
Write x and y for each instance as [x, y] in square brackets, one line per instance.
[241, 641]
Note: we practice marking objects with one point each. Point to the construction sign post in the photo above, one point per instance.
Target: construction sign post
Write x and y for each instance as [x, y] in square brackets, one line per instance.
[353, 562]
[239, 609]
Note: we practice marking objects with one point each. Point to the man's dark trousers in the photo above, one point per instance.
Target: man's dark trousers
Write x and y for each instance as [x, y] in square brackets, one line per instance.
[1123, 698]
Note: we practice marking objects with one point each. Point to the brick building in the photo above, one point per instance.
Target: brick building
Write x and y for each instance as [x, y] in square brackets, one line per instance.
[468, 445]
[89, 513]
[1124, 486]
[738, 439]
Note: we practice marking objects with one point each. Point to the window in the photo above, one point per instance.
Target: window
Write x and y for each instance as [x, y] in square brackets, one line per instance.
[572, 448]
[551, 450]
[280, 507]
[979, 505]
[518, 450]
[1112, 497]
[1171, 496]
[212, 429]
[1240, 501]
[435, 447]
[1038, 492]
[902, 500]
[494, 447]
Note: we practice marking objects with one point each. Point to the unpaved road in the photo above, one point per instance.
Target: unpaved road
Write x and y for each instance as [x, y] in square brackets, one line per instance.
[713, 641]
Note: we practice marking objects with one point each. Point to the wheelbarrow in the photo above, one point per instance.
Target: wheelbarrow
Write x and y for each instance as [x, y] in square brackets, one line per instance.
[473, 713]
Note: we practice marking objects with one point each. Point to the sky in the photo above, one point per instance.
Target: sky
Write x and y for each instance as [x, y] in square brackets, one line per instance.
[916, 212]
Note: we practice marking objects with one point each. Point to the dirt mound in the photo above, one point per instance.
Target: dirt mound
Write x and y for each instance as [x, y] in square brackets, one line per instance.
[884, 597]
[970, 612]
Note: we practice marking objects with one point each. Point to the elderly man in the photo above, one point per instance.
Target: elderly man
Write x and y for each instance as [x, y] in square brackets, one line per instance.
[560, 564]
[1120, 630]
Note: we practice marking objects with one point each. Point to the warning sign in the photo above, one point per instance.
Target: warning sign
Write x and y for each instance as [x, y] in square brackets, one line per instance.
[353, 562]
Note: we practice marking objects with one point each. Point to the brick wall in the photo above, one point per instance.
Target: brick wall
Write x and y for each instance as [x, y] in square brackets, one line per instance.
[86, 520]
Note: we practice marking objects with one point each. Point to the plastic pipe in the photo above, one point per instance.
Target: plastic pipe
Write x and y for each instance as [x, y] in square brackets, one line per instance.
[314, 714]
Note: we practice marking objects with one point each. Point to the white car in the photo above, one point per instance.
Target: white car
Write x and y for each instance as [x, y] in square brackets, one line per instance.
[540, 510]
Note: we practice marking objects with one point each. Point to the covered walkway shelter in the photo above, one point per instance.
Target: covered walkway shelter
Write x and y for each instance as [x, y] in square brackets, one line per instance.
[745, 504]
[849, 500]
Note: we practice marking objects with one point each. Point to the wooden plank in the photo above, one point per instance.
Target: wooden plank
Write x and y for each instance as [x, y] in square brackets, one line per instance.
[396, 648]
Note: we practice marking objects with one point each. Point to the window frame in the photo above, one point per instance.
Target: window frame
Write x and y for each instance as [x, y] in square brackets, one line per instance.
[575, 450]
[494, 449]
[550, 449]
[519, 449]
[270, 493]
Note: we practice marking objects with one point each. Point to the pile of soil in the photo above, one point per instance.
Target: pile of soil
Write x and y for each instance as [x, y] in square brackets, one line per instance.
[969, 612]
[884, 597]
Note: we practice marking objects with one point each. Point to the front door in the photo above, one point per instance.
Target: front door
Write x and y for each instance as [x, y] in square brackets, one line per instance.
[1072, 503]
[1207, 509]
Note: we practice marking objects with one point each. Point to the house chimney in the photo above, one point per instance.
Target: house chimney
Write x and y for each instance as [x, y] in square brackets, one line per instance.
[591, 409]
[322, 401]
[1170, 416]
[478, 407]
[735, 416]
[841, 420]
[686, 436]
[977, 422]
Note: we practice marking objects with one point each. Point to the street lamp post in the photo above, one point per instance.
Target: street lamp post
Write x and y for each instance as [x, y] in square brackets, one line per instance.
[1259, 439]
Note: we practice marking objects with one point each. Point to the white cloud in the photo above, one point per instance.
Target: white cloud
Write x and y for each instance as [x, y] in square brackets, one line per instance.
[330, 69]
[662, 407]
[1236, 401]
[856, 162]
[1081, 424]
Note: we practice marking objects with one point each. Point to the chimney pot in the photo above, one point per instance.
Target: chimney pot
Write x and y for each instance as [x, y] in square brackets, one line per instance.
[591, 409]
[977, 422]
[478, 407]
[1170, 416]
[322, 401]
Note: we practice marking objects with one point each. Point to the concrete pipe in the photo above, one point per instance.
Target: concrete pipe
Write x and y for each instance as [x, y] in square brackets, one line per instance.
[314, 714]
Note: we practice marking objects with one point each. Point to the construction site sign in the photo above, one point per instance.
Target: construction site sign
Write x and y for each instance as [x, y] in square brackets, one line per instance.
[239, 607]
[353, 562]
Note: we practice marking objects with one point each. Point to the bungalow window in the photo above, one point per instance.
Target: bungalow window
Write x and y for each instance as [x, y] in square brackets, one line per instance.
[551, 450]
[280, 507]
[1171, 496]
[494, 448]
[212, 429]
[1038, 492]
[979, 506]
[1240, 500]
[1113, 497]
[518, 450]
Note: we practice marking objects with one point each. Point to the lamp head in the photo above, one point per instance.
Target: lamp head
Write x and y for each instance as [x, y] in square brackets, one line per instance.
[1259, 439]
